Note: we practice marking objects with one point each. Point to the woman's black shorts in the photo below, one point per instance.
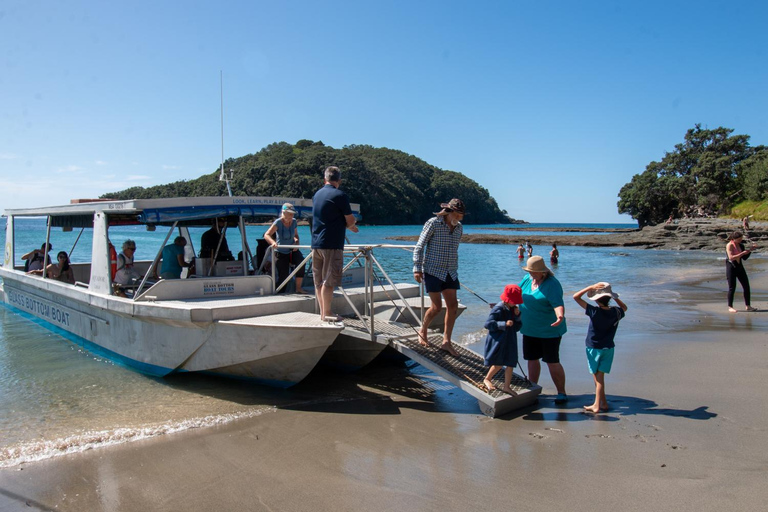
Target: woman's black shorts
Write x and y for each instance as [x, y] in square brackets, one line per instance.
[546, 349]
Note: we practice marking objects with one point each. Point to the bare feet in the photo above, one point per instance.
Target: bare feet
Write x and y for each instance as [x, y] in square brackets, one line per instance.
[447, 346]
[508, 391]
[302, 291]
[423, 341]
[731, 310]
[592, 409]
[489, 385]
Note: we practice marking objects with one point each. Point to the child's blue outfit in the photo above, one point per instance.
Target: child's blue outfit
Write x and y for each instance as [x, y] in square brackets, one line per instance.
[501, 341]
[602, 330]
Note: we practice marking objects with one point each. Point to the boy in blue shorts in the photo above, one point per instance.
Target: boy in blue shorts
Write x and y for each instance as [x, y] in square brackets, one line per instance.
[603, 322]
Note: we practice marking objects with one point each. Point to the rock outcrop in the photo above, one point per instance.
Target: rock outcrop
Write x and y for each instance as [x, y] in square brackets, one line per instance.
[685, 234]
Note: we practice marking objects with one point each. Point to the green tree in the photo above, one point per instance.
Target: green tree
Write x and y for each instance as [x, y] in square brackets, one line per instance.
[700, 176]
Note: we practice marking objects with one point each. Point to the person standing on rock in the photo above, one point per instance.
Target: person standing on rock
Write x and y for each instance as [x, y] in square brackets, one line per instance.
[734, 269]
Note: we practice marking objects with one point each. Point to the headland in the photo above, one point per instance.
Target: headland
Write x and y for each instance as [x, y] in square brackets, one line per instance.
[685, 234]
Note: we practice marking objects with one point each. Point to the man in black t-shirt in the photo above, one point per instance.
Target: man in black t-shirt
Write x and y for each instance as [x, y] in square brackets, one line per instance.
[210, 241]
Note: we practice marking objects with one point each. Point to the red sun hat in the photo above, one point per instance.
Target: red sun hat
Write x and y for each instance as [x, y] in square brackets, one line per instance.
[512, 294]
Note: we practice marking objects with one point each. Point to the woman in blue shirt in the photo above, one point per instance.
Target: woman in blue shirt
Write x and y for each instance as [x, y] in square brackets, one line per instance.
[283, 232]
[543, 315]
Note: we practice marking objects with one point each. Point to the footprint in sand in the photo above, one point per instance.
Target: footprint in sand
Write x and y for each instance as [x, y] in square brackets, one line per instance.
[554, 429]
[654, 427]
[537, 435]
[604, 436]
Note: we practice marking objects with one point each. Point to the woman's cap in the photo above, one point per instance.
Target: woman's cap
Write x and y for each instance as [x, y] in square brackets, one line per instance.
[536, 264]
[454, 205]
[603, 291]
[512, 294]
[288, 208]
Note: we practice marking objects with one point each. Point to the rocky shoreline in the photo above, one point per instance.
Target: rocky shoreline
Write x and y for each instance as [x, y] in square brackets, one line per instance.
[685, 234]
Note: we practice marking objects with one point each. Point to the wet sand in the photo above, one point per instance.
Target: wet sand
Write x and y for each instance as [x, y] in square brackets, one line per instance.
[687, 431]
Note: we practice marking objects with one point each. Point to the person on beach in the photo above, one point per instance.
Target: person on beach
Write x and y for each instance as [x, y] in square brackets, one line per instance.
[734, 269]
[543, 315]
[284, 231]
[603, 322]
[520, 252]
[745, 223]
[501, 341]
[60, 271]
[332, 216]
[554, 254]
[529, 249]
[436, 263]
[34, 260]
[173, 259]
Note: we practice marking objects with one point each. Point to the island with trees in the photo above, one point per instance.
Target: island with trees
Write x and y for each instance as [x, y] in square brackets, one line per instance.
[392, 187]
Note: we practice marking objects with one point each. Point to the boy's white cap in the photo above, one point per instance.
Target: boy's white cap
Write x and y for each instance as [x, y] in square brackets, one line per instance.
[603, 291]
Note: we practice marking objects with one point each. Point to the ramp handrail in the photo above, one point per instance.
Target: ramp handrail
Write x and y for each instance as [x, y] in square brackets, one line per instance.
[360, 252]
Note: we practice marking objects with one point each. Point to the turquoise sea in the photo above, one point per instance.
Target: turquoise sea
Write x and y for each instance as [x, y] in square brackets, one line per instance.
[56, 398]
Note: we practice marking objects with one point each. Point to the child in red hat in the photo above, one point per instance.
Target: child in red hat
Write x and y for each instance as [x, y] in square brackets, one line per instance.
[501, 342]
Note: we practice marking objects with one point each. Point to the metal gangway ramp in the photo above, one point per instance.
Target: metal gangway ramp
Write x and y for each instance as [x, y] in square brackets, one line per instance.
[465, 372]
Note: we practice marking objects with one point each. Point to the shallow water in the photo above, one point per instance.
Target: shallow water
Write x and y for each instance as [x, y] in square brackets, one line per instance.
[57, 398]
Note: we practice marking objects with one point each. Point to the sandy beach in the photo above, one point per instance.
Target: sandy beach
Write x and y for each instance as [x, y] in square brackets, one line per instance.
[687, 431]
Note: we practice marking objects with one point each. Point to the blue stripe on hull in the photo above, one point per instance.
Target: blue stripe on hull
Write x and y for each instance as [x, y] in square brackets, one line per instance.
[145, 368]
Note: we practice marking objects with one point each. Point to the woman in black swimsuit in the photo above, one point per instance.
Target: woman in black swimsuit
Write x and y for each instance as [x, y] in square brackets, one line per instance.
[734, 269]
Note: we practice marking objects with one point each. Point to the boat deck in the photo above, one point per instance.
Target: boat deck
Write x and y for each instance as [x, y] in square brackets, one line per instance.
[466, 371]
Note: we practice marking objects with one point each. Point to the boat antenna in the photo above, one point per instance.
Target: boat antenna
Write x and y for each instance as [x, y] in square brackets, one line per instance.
[222, 175]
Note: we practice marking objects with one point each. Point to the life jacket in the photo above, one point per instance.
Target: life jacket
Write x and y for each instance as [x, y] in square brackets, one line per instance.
[112, 261]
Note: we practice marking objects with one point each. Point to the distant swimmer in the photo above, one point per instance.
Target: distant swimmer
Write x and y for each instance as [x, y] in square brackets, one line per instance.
[520, 252]
[554, 254]
[529, 249]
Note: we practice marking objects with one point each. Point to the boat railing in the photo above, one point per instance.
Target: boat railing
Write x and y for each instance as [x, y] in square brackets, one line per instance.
[363, 255]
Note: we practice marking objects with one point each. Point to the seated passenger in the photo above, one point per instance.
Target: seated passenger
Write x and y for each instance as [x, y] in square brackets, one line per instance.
[60, 271]
[34, 259]
[126, 274]
[173, 259]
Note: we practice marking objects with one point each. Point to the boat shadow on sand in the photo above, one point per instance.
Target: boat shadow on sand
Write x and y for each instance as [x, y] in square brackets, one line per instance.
[386, 387]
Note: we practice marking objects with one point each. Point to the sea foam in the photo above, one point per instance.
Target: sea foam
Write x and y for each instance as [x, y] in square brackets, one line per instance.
[45, 449]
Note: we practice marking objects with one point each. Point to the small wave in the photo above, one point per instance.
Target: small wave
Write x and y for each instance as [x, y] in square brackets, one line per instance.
[45, 449]
[473, 337]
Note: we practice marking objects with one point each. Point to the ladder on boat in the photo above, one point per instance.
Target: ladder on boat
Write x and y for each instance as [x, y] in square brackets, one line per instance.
[465, 372]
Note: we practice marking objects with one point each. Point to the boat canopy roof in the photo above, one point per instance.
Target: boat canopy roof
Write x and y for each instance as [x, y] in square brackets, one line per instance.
[188, 211]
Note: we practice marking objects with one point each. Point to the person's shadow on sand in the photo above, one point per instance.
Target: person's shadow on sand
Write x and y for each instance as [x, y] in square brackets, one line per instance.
[619, 406]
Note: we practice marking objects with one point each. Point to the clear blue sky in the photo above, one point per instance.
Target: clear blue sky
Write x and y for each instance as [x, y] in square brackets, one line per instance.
[552, 106]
